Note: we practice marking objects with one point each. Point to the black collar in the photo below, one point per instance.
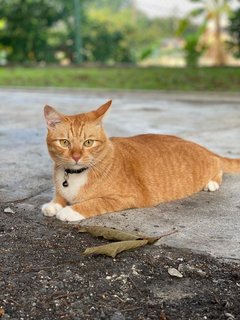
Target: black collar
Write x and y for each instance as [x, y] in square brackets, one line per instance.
[71, 171]
[67, 171]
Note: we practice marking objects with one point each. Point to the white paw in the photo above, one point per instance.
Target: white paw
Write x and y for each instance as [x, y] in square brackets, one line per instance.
[50, 209]
[68, 214]
[211, 186]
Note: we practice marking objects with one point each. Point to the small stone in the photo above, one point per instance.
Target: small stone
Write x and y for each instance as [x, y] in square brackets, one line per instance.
[187, 268]
[174, 273]
[229, 316]
[68, 272]
[8, 210]
[134, 270]
[180, 259]
[118, 316]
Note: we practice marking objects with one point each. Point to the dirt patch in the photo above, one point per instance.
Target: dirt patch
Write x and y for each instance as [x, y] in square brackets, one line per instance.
[44, 276]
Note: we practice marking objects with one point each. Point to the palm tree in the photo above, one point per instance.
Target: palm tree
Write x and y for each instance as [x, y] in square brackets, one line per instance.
[213, 10]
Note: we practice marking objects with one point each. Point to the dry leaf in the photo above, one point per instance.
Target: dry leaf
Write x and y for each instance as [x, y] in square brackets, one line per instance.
[162, 316]
[118, 235]
[2, 312]
[151, 240]
[174, 273]
[109, 233]
[128, 240]
[112, 249]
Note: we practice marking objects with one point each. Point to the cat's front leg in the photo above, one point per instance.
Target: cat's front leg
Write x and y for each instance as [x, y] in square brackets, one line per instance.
[51, 208]
[91, 208]
[69, 214]
[83, 210]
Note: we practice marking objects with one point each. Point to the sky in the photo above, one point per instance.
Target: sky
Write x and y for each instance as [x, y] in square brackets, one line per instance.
[158, 8]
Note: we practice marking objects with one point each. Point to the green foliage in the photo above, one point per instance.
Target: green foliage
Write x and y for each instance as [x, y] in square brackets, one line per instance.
[105, 45]
[27, 30]
[208, 10]
[234, 30]
[193, 48]
[192, 55]
[113, 5]
[33, 31]
[146, 53]
[105, 31]
[212, 10]
[132, 33]
[36, 30]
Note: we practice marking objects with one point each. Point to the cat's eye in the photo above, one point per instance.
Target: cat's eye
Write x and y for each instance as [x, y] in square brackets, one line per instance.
[64, 143]
[88, 143]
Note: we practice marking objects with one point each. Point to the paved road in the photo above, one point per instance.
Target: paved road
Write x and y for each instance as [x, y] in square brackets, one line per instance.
[206, 222]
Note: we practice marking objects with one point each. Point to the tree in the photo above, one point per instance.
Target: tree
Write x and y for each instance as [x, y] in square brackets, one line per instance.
[37, 30]
[106, 46]
[213, 10]
[134, 35]
[234, 31]
[103, 32]
[193, 47]
[27, 28]
[32, 31]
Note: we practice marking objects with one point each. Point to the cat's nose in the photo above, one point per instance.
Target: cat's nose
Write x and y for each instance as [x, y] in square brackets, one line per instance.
[76, 156]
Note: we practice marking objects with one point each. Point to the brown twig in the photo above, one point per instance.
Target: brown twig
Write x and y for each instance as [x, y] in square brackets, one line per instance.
[65, 295]
[168, 234]
[135, 286]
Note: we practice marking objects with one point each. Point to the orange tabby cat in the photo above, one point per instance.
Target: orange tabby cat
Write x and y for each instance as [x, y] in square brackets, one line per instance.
[95, 174]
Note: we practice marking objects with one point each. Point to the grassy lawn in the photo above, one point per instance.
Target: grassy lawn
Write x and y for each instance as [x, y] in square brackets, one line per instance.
[158, 78]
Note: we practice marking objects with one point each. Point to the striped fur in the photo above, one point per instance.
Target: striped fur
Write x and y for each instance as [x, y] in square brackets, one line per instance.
[134, 172]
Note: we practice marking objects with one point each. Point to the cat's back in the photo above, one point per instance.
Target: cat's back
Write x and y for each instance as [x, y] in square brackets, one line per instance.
[145, 139]
[146, 142]
[155, 148]
[164, 167]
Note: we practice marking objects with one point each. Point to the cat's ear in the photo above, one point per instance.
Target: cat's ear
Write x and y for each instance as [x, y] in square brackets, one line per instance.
[52, 116]
[101, 111]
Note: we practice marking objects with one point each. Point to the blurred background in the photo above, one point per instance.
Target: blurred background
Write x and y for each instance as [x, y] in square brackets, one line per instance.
[145, 44]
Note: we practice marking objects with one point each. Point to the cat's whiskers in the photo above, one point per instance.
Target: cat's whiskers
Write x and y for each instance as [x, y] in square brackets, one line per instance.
[98, 171]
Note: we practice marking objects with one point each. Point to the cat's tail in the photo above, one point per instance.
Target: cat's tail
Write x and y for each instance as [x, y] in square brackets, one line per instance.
[230, 165]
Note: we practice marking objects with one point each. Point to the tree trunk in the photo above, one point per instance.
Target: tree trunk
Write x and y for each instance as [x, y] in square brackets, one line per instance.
[219, 56]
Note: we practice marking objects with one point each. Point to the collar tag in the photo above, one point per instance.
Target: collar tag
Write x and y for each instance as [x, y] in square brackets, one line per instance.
[70, 171]
[65, 182]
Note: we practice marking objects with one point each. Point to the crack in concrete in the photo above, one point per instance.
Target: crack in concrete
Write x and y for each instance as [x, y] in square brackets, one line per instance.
[26, 198]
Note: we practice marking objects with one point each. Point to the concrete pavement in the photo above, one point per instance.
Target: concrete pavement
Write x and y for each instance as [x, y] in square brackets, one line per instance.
[206, 222]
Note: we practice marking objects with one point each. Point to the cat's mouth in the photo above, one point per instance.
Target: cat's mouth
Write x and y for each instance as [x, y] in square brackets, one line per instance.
[74, 164]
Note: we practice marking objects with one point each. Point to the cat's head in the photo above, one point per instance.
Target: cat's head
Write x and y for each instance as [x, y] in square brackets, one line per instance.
[76, 141]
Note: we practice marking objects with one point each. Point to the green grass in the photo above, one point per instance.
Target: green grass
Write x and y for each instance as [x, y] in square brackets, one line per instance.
[158, 78]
